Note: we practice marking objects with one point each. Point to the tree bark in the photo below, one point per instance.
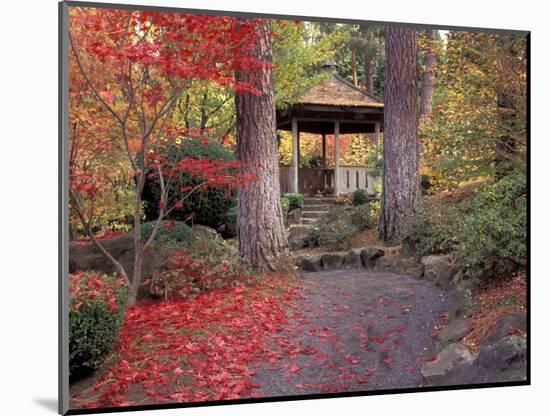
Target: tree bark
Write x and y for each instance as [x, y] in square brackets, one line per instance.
[263, 244]
[428, 78]
[354, 67]
[369, 79]
[401, 186]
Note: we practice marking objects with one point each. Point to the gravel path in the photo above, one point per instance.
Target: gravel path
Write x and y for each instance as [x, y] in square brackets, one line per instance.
[354, 331]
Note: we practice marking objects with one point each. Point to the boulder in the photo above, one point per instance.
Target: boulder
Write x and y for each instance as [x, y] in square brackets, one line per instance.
[353, 259]
[439, 270]
[311, 263]
[295, 216]
[332, 261]
[453, 363]
[503, 353]
[392, 263]
[297, 260]
[462, 296]
[387, 263]
[204, 232]
[409, 267]
[296, 236]
[502, 361]
[455, 330]
[87, 257]
[369, 256]
[504, 327]
[408, 248]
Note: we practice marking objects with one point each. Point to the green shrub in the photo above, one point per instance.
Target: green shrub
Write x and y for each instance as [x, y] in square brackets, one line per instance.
[334, 235]
[205, 265]
[285, 204]
[96, 308]
[434, 230]
[364, 216]
[342, 223]
[208, 206]
[296, 200]
[360, 197]
[493, 238]
[174, 231]
[486, 232]
[230, 223]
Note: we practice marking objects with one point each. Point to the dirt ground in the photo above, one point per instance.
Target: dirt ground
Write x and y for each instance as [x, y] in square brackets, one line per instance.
[357, 331]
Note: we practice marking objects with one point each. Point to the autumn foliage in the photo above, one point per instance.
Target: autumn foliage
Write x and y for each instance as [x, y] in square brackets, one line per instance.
[128, 70]
[196, 349]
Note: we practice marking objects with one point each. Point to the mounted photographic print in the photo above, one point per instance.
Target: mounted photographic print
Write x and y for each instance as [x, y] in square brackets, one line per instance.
[261, 207]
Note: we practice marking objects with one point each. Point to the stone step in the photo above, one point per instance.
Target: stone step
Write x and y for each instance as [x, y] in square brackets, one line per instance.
[319, 204]
[327, 199]
[310, 221]
[313, 214]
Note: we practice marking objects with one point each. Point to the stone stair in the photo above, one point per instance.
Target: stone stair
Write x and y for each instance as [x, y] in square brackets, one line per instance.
[315, 208]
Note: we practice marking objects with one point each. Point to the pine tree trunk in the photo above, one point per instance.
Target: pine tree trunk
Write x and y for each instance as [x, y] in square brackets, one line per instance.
[261, 232]
[354, 67]
[401, 189]
[428, 79]
[369, 80]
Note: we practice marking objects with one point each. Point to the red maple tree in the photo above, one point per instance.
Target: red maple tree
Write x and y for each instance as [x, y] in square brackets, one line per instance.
[132, 67]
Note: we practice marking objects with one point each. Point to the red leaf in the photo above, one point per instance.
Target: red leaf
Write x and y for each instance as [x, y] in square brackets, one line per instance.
[352, 360]
[294, 368]
[309, 350]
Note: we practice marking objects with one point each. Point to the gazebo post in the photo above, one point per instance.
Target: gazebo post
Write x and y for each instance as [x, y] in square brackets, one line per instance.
[324, 154]
[294, 167]
[377, 133]
[336, 155]
[324, 158]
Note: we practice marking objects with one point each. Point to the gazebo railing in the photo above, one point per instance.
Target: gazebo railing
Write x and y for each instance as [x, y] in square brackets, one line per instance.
[313, 180]
[351, 178]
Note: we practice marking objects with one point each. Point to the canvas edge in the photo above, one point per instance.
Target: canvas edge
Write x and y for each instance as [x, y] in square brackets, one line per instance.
[63, 231]
[325, 19]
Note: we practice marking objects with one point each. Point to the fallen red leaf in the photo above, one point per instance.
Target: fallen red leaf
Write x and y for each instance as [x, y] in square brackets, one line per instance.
[294, 368]
[351, 359]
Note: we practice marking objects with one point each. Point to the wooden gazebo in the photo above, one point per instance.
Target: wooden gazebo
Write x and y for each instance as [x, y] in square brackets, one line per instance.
[334, 106]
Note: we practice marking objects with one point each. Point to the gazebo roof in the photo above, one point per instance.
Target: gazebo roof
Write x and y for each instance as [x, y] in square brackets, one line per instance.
[334, 90]
[333, 99]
